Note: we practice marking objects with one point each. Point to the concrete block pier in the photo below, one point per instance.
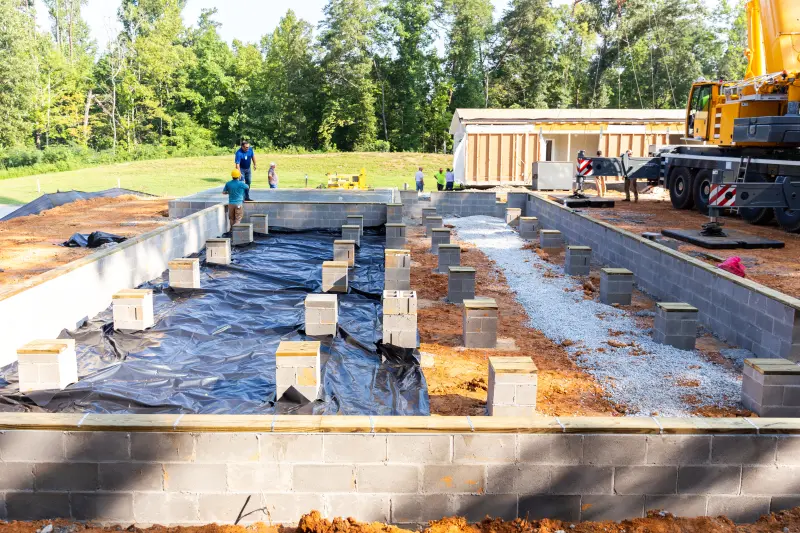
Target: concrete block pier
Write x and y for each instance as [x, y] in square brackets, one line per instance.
[297, 365]
[427, 212]
[356, 220]
[431, 222]
[397, 270]
[480, 323]
[218, 251]
[242, 234]
[439, 236]
[47, 365]
[512, 216]
[529, 228]
[345, 251]
[448, 255]
[551, 240]
[460, 284]
[616, 286]
[260, 224]
[577, 261]
[352, 232]
[334, 276]
[184, 273]
[133, 310]
[322, 314]
[513, 384]
[396, 236]
[676, 325]
[400, 318]
[771, 387]
[394, 213]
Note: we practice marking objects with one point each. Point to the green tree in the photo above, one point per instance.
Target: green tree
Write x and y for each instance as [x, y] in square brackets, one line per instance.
[18, 72]
[349, 89]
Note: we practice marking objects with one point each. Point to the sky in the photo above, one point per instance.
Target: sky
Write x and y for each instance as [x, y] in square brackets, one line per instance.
[246, 20]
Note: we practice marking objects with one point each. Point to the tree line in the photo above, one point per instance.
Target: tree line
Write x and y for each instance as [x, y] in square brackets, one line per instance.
[375, 75]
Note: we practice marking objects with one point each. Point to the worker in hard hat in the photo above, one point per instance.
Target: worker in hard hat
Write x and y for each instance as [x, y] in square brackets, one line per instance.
[272, 176]
[245, 160]
[236, 190]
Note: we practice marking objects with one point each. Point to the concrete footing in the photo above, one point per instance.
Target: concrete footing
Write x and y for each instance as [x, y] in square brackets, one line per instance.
[356, 220]
[551, 240]
[133, 310]
[439, 236]
[400, 318]
[479, 327]
[352, 232]
[297, 365]
[218, 251]
[460, 284]
[397, 270]
[334, 276]
[184, 273]
[242, 234]
[322, 314]
[449, 255]
[577, 261]
[394, 213]
[676, 325]
[616, 286]
[529, 228]
[47, 365]
[260, 224]
[771, 387]
[512, 216]
[345, 251]
[432, 222]
[513, 384]
[396, 236]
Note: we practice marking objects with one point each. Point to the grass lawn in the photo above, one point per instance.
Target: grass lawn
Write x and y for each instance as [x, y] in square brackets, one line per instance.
[179, 177]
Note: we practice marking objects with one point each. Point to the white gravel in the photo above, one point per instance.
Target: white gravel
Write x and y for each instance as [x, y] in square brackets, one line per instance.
[643, 376]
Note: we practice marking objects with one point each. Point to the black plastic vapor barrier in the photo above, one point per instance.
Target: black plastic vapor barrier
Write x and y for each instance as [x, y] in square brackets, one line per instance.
[212, 350]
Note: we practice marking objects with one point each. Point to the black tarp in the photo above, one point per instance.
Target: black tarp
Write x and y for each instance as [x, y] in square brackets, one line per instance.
[96, 239]
[212, 350]
[55, 199]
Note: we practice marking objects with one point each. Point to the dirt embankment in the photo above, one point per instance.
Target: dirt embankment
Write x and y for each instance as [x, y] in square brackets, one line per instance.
[30, 245]
[775, 268]
[457, 383]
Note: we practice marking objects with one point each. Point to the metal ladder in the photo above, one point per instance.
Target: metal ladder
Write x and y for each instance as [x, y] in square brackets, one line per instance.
[742, 176]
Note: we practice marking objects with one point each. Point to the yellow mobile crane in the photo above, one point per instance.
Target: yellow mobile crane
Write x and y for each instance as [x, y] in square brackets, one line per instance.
[742, 137]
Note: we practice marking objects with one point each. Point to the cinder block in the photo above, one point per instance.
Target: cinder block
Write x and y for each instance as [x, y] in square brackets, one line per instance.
[288, 508]
[771, 387]
[418, 509]
[291, 448]
[94, 446]
[771, 480]
[743, 449]
[345, 251]
[538, 507]
[162, 447]
[709, 479]
[366, 508]
[117, 507]
[432, 222]
[529, 228]
[164, 508]
[618, 450]
[419, 449]
[184, 273]
[335, 276]
[394, 213]
[242, 234]
[439, 236]
[356, 220]
[133, 310]
[265, 477]
[678, 450]
[191, 477]
[400, 318]
[323, 478]
[218, 251]
[50, 476]
[396, 236]
[352, 232]
[682, 506]
[616, 508]
[480, 323]
[130, 476]
[19, 476]
[449, 255]
[581, 479]
[740, 509]
[397, 270]
[361, 448]
[523, 374]
[426, 212]
[297, 365]
[551, 240]
[398, 479]
[550, 449]
[484, 449]
[646, 480]
[260, 224]
[226, 447]
[577, 261]
[399, 302]
[512, 216]
[47, 365]
[443, 479]
[616, 286]
[37, 505]
[322, 314]
[227, 508]
[460, 284]
[477, 507]
[676, 325]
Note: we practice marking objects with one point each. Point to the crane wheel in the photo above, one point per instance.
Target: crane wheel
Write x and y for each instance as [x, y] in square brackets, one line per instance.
[789, 219]
[756, 215]
[680, 188]
[701, 191]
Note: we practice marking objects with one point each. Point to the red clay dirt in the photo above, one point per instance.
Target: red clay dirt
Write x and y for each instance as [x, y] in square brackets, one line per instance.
[29, 245]
[774, 268]
[314, 523]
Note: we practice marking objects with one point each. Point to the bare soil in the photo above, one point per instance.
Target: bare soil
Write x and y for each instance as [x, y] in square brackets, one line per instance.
[30, 245]
[774, 268]
[785, 521]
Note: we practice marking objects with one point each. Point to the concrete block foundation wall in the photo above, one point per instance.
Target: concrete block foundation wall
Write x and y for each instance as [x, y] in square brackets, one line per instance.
[23, 318]
[737, 310]
[464, 203]
[196, 469]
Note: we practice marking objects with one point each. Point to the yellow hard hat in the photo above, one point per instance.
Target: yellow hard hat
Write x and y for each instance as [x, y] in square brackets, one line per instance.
[236, 174]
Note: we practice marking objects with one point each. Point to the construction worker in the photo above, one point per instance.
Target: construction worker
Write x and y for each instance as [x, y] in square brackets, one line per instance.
[600, 181]
[630, 183]
[244, 159]
[450, 178]
[419, 177]
[272, 176]
[236, 190]
[440, 179]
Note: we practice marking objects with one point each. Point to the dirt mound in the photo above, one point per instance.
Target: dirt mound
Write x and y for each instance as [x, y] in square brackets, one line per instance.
[314, 523]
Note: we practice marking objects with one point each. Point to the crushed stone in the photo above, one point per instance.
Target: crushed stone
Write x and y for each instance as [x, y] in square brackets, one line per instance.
[635, 371]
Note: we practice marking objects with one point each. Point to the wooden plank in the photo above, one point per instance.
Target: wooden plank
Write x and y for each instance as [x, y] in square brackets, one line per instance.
[421, 424]
[129, 422]
[346, 424]
[622, 424]
[514, 424]
[705, 425]
[40, 421]
[776, 426]
[297, 424]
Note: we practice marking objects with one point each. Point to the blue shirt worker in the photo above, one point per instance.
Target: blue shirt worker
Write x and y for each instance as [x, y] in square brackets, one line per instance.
[236, 190]
[419, 177]
[450, 178]
[245, 160]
